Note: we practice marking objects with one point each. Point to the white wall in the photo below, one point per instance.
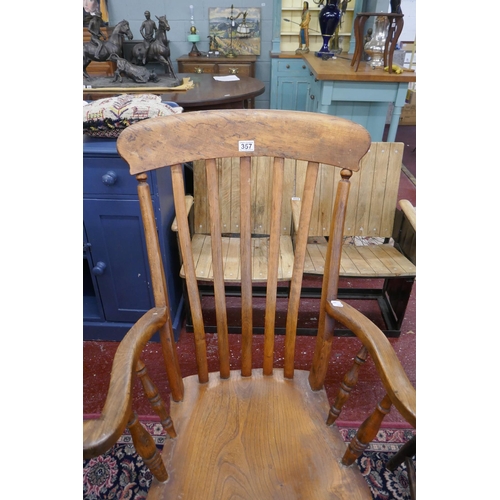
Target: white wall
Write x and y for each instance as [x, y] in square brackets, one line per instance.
[409, 8]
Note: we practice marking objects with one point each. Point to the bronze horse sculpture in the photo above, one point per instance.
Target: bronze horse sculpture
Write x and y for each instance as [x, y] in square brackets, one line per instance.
[156, 51]
[114, 45]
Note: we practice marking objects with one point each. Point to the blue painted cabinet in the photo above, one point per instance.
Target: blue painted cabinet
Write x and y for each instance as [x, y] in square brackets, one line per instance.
[290, 85]
[117, 286]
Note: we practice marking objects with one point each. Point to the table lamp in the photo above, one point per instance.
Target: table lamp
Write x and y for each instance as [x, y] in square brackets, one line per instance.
[193, 37]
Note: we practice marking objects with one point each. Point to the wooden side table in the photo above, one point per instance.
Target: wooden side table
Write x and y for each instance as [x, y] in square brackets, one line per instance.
[207, 93]
[211, 94]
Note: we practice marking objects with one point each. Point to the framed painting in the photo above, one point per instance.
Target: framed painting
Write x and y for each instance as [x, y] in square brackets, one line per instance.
[235, 29]
[91, 6]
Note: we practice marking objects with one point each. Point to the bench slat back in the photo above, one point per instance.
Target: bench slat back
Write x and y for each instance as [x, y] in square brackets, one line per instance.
[373, 195]
[372, 199]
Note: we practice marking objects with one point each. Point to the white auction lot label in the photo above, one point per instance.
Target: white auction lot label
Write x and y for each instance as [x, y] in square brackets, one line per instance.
[246, 146]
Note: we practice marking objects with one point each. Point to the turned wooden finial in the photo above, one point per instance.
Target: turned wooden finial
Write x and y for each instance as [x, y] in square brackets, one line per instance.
[346, 174]
[142, 177]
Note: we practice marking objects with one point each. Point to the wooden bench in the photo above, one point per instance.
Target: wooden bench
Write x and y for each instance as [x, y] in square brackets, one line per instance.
[370, 213]
[379, 239]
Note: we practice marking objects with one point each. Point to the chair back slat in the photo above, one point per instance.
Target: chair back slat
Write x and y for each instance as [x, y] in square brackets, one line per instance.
[191, 282]
[273, 264]
[245, 187]
[257, 183]
[298, 267]
[218, 266]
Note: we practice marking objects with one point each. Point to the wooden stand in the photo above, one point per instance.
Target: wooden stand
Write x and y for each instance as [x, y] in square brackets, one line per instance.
[395, 28]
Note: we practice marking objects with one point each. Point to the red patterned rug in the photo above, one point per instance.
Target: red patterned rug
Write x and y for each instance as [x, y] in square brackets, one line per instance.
[121, 474]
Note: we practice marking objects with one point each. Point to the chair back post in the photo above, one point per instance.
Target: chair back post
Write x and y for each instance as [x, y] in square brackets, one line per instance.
[159, 285]
[330, 285]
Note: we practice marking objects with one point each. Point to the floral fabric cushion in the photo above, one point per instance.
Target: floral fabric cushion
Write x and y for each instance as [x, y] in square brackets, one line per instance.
[108, 117]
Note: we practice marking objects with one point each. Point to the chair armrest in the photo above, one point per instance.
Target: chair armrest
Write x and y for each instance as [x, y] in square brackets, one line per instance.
[296, 207]
[189, 203]
[392, 374]
[101, 434]
[410, 212]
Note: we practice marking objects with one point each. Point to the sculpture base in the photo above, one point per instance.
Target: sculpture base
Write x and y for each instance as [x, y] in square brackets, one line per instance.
[326, 55]
[107, 82]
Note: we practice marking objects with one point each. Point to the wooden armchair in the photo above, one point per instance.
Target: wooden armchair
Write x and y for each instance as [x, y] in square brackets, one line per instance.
[379, 240]
[247, 431]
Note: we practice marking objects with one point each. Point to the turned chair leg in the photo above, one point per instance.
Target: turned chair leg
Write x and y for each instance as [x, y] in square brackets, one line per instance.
[146, 448]
[367, 431]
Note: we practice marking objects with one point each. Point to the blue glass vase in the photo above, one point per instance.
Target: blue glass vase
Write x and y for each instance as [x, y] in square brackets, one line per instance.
[329, 18]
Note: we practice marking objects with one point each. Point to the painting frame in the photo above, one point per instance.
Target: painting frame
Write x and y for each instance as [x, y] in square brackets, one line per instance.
[91, 6]
[241, 34]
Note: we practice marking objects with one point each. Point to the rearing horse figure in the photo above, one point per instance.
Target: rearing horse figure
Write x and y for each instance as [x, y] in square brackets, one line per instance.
[114, 45]
[156, 51]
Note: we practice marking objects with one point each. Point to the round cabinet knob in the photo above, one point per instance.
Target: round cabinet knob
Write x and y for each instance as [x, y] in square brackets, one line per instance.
[312, 97]
[198, 70]
[233, 71]
[109, 178]
[304, 66]
[287, 66]
[99, 269]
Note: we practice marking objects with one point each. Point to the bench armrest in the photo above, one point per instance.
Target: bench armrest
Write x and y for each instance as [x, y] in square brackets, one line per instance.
[410, 212]
[189, 203]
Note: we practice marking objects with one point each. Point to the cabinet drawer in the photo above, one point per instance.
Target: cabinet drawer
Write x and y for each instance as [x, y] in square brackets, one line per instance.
[293, 66]
[194, 67]
[107, 177]
[235, 69]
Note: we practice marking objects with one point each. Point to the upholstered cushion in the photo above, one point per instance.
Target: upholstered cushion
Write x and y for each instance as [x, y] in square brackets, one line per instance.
[108, 117]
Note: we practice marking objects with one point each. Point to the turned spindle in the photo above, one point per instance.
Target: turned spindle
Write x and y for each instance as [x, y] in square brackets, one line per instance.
[350, 380]
[155, 399]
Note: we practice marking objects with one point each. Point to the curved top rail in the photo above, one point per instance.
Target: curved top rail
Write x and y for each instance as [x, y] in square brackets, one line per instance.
[201, 135]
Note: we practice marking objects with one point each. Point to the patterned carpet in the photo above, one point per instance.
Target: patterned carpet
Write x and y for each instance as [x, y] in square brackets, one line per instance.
[121, 474]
